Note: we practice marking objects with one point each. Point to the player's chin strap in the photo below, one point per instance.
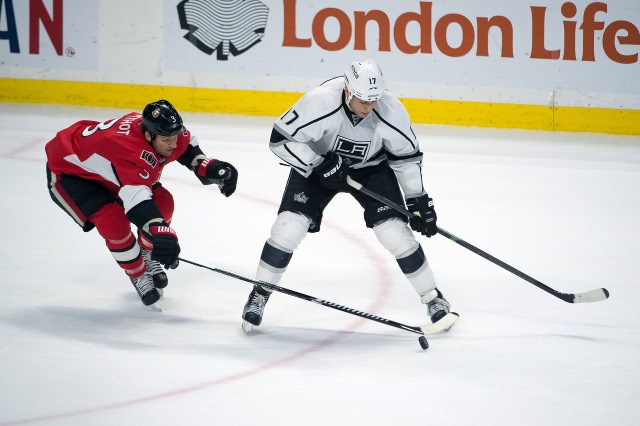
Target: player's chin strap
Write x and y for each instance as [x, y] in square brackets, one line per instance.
[596, 295]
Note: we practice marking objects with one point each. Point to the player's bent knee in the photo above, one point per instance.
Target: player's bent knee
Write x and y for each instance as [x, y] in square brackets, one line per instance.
[289, 230]
[111, 222]
[165, 202]
[395, 236]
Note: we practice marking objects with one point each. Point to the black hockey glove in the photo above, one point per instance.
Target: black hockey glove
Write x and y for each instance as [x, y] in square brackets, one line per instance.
[425, 217]
[219, 172]
[333, 172]
[165, 245]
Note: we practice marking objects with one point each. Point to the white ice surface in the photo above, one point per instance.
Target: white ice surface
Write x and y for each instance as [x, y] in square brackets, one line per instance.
[78, 348]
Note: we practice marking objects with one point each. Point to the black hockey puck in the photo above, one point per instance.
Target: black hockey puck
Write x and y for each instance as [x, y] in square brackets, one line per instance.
[423, 342]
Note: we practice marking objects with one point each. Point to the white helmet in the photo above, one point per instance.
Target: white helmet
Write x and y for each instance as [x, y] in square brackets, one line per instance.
[364, 80]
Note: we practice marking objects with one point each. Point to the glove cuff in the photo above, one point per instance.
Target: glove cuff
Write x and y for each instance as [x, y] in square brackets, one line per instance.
[162, 229]
[202, 168]
[416, 200]
[412, 202]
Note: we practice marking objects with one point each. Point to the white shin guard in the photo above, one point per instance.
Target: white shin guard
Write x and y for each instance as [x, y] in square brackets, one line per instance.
[395, 235]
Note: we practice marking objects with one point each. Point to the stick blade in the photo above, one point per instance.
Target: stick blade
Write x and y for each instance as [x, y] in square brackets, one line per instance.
[445, 323]
[597, 295]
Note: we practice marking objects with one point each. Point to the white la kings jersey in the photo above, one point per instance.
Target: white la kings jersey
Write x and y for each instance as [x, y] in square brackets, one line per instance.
[321, 122]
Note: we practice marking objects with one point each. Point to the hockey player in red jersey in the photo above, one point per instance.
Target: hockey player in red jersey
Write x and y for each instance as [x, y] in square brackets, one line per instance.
[107, 176]
[350, 126]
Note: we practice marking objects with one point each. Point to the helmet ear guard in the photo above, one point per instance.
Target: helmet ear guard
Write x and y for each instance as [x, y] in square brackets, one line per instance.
[364, 80]
[161, 118]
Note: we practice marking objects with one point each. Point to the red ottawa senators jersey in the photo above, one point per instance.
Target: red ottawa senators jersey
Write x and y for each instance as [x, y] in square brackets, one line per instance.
[114, 153]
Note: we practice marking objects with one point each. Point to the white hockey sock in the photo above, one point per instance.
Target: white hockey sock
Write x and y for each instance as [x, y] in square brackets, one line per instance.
[428, 297]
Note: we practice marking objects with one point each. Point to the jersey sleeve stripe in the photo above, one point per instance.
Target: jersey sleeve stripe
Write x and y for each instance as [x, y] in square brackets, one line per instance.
[395, 128]
[295, 156]
[398, 159]
[316, 120]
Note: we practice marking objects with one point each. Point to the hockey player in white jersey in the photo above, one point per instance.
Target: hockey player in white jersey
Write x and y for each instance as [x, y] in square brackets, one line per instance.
[350, 126]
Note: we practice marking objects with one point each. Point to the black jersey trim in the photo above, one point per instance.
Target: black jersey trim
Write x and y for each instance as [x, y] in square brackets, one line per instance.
[355, 120]
[115, 173]
[295, 156]
[276, 136]
[331, 79]
[293, 166]
[316, 120]
[392, 157]
[395, 128]
[381, 153]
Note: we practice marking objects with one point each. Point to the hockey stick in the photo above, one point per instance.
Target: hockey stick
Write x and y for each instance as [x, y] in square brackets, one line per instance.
[442, 325]
[596, 295]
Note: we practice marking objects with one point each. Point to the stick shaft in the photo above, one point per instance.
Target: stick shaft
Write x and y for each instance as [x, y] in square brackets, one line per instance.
[308, 298]
[591, 296]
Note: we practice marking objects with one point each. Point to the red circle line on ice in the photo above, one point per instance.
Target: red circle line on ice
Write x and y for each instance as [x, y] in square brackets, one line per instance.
[382, 291]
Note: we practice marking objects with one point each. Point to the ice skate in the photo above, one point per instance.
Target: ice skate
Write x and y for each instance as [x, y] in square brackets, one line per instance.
[154, 267]
[437, 306]
[145, 288]
[254, 308]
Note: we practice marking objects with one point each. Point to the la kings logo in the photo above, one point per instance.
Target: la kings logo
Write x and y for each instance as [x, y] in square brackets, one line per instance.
[352, 151]
[230, 27]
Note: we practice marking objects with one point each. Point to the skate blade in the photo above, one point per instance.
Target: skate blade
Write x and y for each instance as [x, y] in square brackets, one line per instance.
[154, 307]
[161, 291]
[247, 327]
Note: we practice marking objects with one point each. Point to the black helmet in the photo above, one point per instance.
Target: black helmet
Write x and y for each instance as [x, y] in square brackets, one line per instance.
[161, 118]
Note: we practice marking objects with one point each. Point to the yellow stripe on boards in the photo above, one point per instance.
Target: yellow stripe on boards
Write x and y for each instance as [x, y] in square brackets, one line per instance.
[597, 120]
[136, 96]
[481, 114]
[263, 103]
